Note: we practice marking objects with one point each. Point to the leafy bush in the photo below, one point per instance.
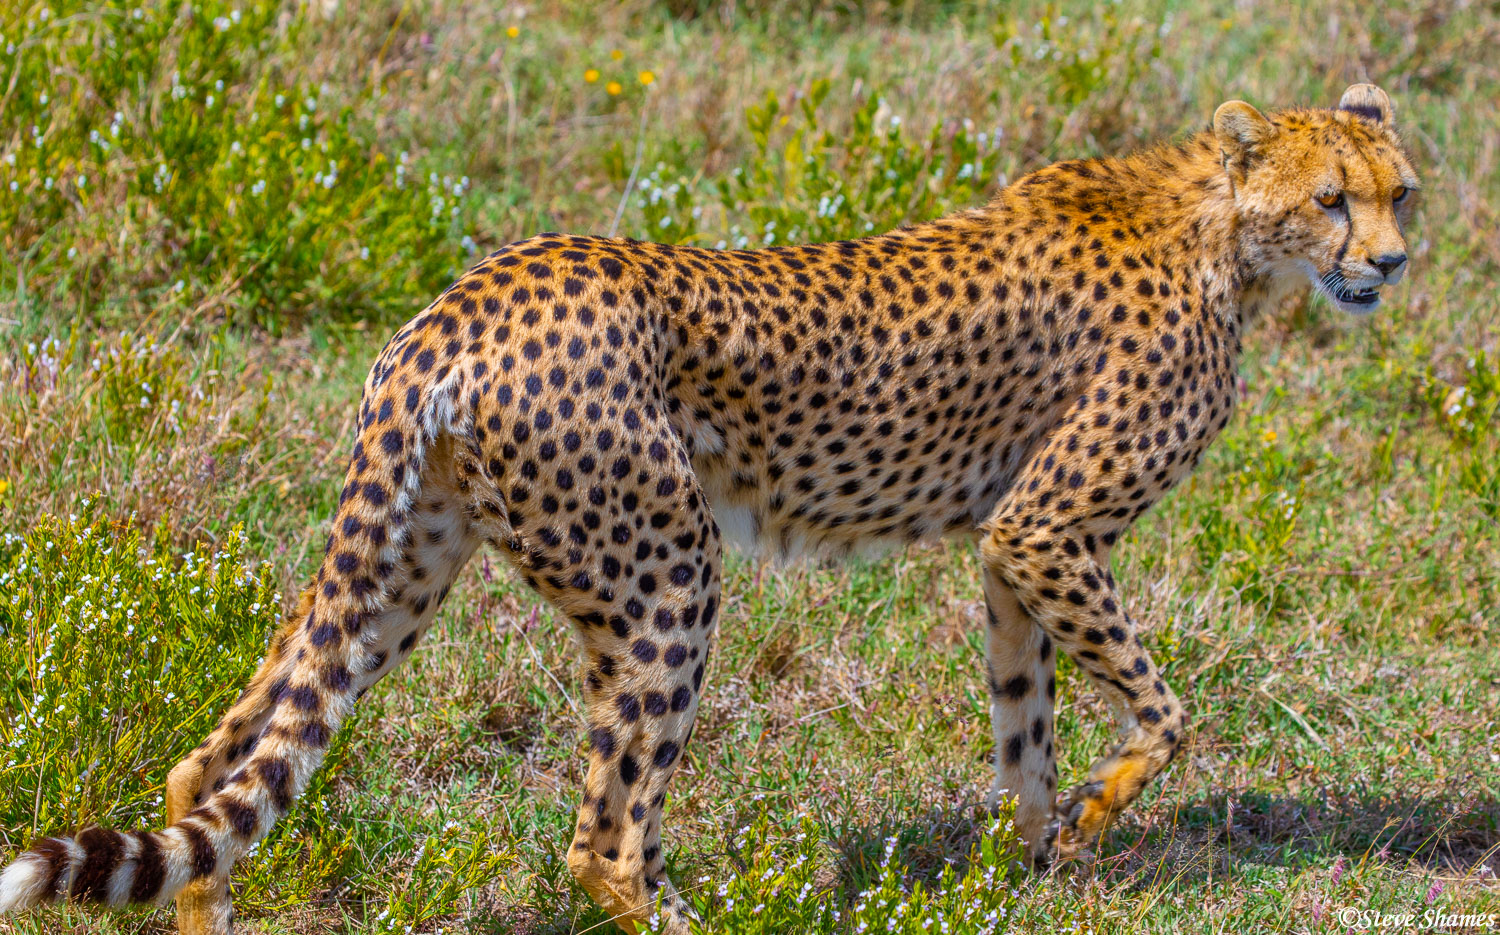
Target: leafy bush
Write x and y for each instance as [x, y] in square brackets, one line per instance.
[117, 656]
[804, 182]
[1093, 58]
[776, 888]
[155, 148]
[1469, 411]
[1469, 408]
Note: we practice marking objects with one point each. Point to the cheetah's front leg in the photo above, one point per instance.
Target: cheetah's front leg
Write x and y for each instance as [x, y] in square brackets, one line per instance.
[1020, 673]
[1062, 585]
[1048, 541]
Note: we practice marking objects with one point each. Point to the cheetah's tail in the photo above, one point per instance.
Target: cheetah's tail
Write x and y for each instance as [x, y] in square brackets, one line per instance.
[327, 658]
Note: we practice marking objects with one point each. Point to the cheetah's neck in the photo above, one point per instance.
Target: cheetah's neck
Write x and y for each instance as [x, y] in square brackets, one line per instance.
[1171, 205]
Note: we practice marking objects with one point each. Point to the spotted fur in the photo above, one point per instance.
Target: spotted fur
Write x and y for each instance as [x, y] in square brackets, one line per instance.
[1033, 375]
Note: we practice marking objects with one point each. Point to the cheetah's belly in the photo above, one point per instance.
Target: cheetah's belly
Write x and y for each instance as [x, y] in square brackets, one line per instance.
[817, 514]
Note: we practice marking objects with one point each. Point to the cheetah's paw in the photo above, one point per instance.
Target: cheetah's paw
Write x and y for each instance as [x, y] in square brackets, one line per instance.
[1069, 835]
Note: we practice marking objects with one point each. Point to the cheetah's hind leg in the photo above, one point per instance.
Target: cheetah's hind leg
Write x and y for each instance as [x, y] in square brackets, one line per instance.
[644, 603]
[440, 542]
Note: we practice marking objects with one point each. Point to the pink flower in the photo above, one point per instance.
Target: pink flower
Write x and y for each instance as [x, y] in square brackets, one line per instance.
[1434, 890]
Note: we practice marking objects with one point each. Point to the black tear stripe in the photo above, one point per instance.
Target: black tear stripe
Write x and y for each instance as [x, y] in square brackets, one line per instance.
[1344, 247]
[102, 850]
[1364, 111]
[150, 869]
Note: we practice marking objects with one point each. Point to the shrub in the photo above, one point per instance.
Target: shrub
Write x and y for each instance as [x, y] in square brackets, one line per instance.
[776, 888]
[804, 183]
[155, 151]
[117, 656]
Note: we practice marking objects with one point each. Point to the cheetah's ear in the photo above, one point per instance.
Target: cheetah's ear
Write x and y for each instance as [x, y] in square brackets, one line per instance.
[1369, 102]
[1241, 131]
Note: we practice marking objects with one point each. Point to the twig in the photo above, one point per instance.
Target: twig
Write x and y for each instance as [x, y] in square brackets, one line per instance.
[640, 150]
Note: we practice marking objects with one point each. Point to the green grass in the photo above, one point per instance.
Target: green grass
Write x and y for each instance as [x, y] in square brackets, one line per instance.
[185, 357]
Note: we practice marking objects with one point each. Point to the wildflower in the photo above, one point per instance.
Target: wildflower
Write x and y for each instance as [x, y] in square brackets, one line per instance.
[591, 75]
[616, 54]
[1269, 437]
[614, 87]
[647, 77]
[513, 31]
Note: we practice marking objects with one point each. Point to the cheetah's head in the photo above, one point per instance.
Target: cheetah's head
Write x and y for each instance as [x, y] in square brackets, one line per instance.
[1322, 193]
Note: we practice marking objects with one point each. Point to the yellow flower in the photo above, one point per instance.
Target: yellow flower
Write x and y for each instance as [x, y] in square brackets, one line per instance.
[647, 77]
[513, 31]
[616, 54]
[1270, 436]
[4, 486]
[613, 87]
[591, 75]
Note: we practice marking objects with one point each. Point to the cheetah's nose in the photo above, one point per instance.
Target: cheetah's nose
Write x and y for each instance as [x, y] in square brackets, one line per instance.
[1389, 263]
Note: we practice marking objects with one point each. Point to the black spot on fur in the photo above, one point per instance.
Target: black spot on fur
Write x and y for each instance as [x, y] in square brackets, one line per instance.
[241, 817]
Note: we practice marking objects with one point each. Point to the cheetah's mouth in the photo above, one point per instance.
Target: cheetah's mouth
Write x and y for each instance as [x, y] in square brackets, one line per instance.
[1346, 297]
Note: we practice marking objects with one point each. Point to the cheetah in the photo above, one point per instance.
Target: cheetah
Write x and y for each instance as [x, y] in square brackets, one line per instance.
[1031, 375]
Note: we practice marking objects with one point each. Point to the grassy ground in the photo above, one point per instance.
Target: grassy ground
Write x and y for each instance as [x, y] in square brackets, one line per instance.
[189, 295]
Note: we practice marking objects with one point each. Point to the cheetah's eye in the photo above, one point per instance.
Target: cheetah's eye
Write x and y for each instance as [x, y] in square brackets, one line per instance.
[1334, 200]
[1398, 193]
